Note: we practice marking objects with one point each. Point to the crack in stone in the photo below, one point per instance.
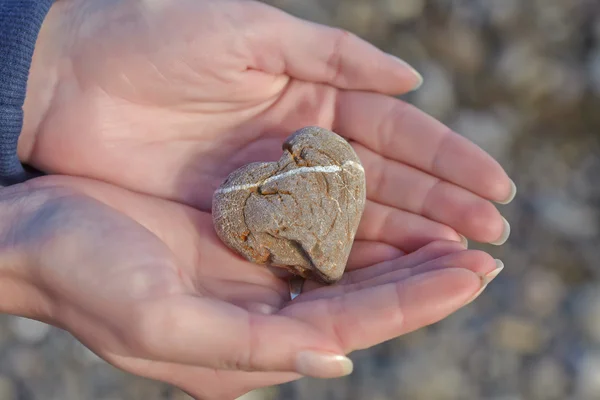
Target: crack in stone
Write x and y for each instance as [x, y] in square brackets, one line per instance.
[325, 185]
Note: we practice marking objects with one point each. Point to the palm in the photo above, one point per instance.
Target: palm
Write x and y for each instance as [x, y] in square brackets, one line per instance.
[160, 296]
[179, 96]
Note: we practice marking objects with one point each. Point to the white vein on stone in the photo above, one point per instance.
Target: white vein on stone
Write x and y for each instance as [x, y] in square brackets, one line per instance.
[300, 170]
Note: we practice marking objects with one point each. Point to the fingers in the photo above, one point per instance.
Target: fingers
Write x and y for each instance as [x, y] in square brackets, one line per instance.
[365, 253]
[368, 317]
[284, 44]
[401, 132]
[401, 229]
[476, 261]
[202, 332]
[401, 186]
[431, 251]
[206, 383]
[255, 298]
[399, 269]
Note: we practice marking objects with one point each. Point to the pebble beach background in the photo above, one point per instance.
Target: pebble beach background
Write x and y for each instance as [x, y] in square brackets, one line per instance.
[521, 78]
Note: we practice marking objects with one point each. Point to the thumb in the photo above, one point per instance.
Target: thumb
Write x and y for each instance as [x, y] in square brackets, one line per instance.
[284, 44]
[208, 333]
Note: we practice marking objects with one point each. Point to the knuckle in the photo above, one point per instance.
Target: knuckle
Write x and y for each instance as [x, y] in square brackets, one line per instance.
[335, 60]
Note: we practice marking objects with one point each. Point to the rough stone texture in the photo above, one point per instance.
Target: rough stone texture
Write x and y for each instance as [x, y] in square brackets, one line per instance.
[300, 213]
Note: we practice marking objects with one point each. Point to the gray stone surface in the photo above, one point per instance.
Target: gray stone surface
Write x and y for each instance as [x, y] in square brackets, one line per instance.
[300, 213]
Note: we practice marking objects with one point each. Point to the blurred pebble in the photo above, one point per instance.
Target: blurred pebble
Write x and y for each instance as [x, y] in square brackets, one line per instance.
[311, 10]
[26, 363]
[548, 380]
[144, 389]
[505, 397]
[361, 18]
[309, 388]
[402, 11]
[588, 315]
[8, 390]
[594, 70]
[180, 395]
[485, 129]
[28, 330]
[5, 334]
[520, 335]
[587, 382]
[503, 14]
[534, 77]
[568, 217]
[460, 48]
[543, 291]
[85, 356]
[429, 377]
[436, 95]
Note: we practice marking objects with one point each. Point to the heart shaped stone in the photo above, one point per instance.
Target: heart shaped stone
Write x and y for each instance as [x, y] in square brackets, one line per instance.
[300, 213]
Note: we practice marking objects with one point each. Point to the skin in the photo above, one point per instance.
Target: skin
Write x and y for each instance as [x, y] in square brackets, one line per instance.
[168, 97]
[146, 284]
[148, 105]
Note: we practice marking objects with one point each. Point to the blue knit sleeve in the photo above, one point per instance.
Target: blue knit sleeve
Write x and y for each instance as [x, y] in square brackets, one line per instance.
[20, 23]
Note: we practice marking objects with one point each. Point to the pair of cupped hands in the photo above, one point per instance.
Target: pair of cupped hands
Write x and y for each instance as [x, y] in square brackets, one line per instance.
[137, 111]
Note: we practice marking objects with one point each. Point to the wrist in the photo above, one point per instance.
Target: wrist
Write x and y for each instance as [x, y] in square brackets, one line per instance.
[20, 291]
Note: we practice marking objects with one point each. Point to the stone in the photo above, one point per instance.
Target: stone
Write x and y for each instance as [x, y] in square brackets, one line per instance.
[445, 380]
[461, 48]
[85, 356]
[180, 395]
[588, 313]
[593, 68]
[300, 213]
[312, 10]
[587, 381]
[436, 96]
[488, 130]
[548, 380]
[543, 291]
[28, 330]
[5, 332]
[519, 335]
[27, 363]
[8, 390]
[402, 11]
[361, 18]
[503, 14]
[568, 216]
[144, 389]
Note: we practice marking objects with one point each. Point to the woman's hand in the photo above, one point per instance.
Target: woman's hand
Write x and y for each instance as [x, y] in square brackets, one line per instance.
[146, 284]
[168, 97]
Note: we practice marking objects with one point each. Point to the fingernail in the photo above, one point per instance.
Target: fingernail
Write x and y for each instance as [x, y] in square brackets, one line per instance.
[486, 279]
[419, 78]
[464, 240]
[412, 69]
[323, 365]
[505, 234]
[513, 193]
